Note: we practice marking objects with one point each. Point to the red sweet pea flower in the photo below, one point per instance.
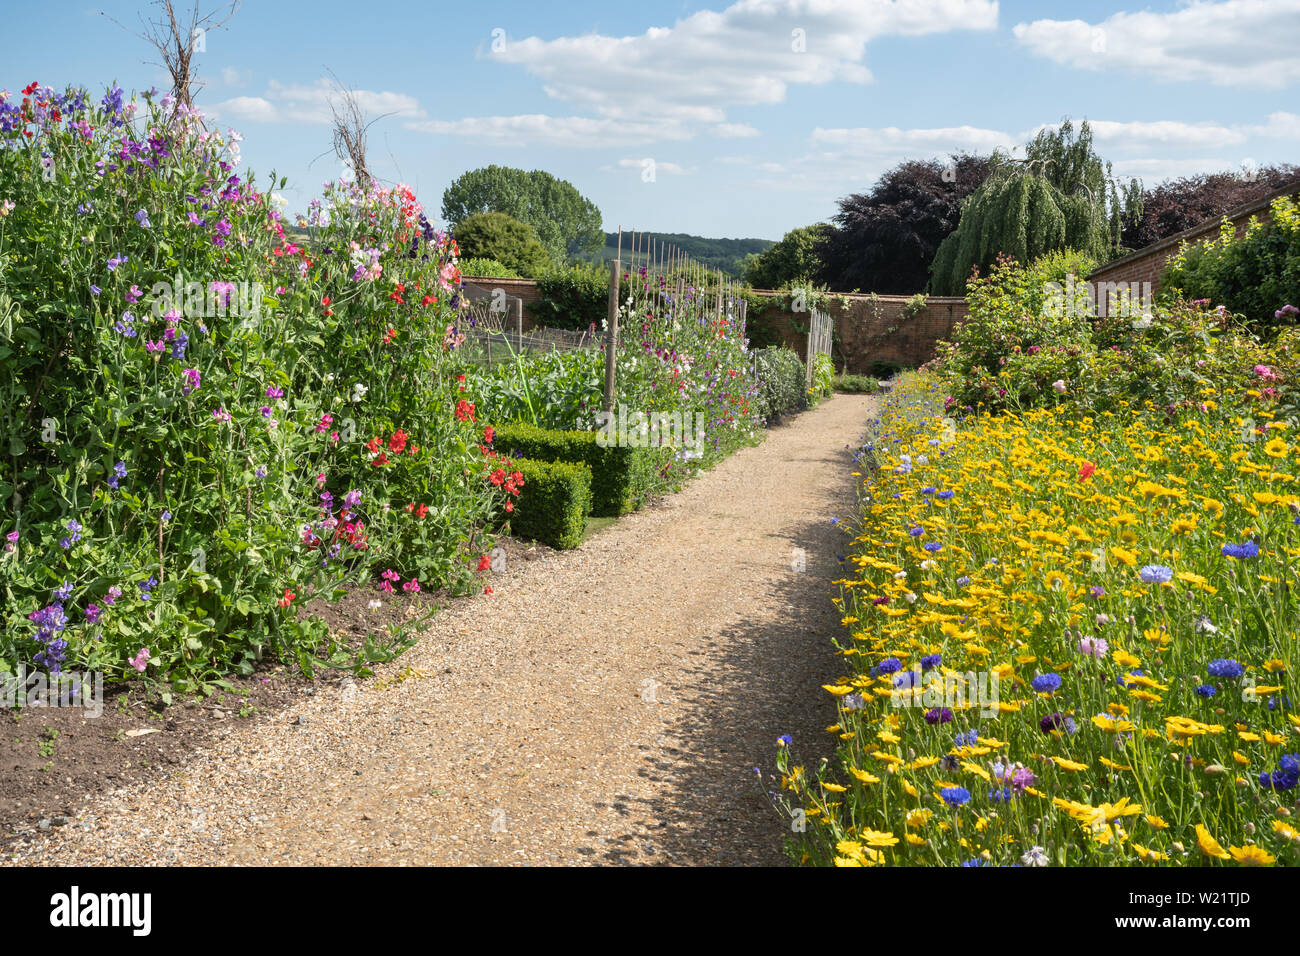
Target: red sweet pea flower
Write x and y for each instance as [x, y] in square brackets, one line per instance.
[429, 300]
[465, 411]
[483, 562]
[489, 434]
[1086, 470]
[288, 598]
[398, 442]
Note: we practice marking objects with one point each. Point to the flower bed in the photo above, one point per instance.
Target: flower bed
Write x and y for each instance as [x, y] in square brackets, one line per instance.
[207, 423]
[1072, 639]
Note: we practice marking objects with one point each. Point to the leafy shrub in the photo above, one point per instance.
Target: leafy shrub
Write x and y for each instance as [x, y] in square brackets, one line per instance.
[823, 379]
[573, 297]
[781, 378]
[554, 502]
[487, 268]
[858, 384]
[1255, 275]
[494, 235]
[621, 477]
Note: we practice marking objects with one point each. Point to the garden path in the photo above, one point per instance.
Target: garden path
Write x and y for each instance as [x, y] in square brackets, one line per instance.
[606, 705]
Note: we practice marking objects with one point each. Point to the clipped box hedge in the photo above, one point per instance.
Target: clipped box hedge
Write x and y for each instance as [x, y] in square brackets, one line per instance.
[621, 477]
[554, 502]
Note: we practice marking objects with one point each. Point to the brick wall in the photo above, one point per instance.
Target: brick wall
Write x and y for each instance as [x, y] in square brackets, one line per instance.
[865, 332]
[1146, 265]
[525, 289]
[870, 331]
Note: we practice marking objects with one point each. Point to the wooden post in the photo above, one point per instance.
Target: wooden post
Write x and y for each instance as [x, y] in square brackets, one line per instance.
[517, 306]
[611, 335]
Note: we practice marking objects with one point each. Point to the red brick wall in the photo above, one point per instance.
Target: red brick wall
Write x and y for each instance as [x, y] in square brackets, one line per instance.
[864, 332]
[1146, 265]
[868, 332]
[525, 289]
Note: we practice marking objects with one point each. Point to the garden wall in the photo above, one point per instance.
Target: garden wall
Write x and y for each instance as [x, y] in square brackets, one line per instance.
[525, 289]
[866, 332]
[1146, 265]
[870, 331]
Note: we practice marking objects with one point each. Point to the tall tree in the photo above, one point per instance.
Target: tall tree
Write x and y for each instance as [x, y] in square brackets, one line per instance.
[884, 240]
[566, 221]
[1060, 196]
[1179, 204]
[794, 257]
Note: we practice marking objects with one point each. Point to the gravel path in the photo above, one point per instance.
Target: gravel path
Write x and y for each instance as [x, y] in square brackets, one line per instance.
[605, 705]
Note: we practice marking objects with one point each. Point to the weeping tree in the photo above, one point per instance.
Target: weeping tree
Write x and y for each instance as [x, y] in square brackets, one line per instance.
[1061, 195]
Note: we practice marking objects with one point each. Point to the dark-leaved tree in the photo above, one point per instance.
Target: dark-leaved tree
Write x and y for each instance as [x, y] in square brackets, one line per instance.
[884, 240]
[1178, 204]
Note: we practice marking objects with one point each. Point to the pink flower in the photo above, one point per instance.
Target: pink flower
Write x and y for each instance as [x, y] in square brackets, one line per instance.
[1264, 372]
[1093, 647]
[192, 379]
[1059, 385]
[140, 659]
[412, 586]
[220, 414]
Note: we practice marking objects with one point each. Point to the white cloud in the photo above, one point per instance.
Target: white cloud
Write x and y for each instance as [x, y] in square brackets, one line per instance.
[302, 103]
[892, 141]
[659, 165]
[233, 77]
[749, 53]
[1232, 43]
[734, 130]
[539, 129]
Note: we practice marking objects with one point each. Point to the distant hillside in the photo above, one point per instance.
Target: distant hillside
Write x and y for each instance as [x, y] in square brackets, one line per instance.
[724, 254]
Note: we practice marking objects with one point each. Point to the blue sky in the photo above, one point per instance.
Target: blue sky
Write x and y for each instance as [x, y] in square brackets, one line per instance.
[753, 127]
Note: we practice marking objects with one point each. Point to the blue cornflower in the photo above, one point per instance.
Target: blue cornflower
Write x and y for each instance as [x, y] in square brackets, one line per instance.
[945, 494]
[1046, 683]
[934, 547]
[967, 739]
[1000, 795]
[906, 679]
[888, 666]
[976, 861]
[938, 715]
[931, 661]
[1247, 549]
[1156, 574]
[1206, 690]
[1225, 667]
[963, 581]
[955, 796]
[929, 491]
[785, 740]
[916, 531]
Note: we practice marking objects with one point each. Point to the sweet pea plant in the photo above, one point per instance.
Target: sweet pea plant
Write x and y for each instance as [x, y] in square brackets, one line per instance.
[192, 400]
[678, 351]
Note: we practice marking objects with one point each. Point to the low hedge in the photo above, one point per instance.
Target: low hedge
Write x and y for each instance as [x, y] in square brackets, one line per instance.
[621, 478]
[553, 503]
[860, 384]
[782, 376]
